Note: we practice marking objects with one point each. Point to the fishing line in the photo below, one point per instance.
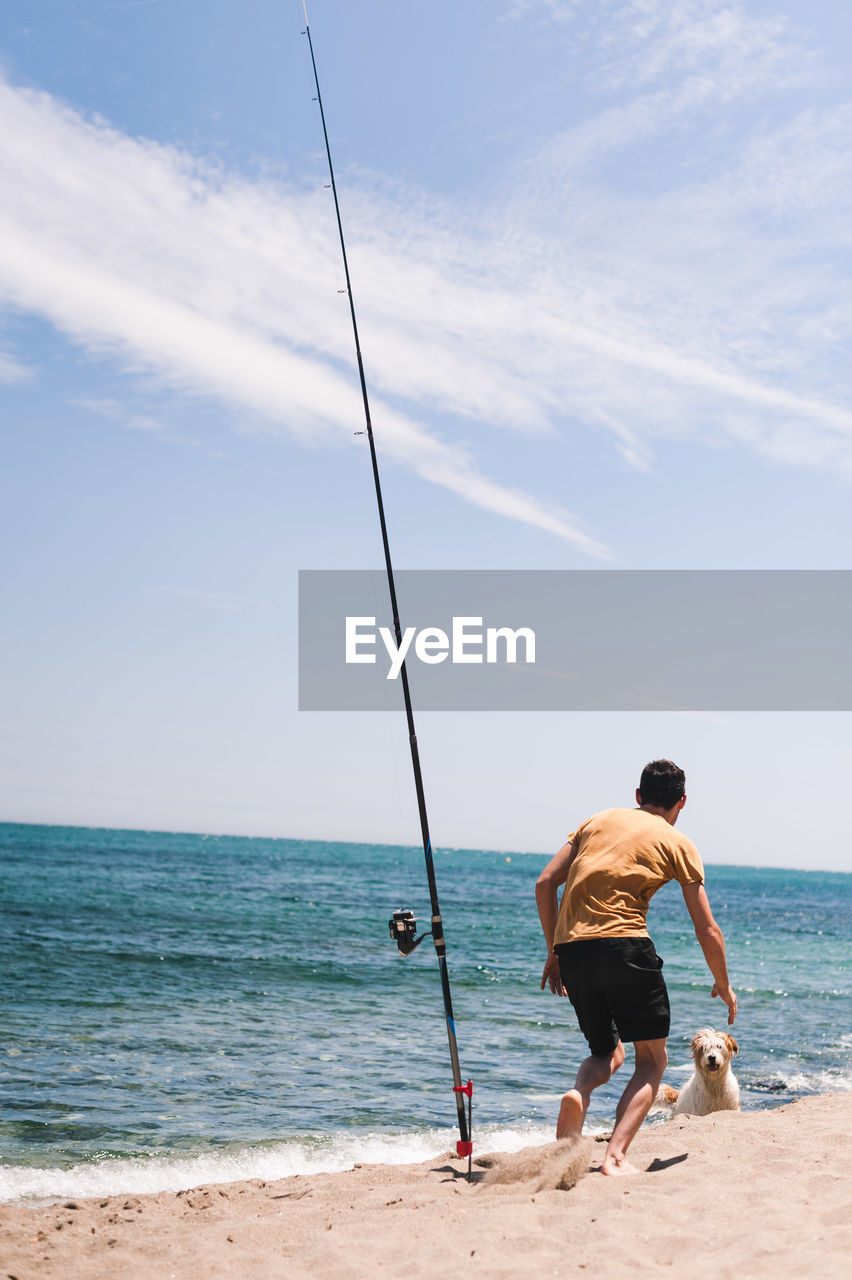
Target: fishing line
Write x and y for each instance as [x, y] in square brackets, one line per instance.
[403, 924]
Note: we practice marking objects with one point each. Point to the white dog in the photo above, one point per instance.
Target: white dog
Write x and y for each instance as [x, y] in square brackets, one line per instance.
[712, 1085]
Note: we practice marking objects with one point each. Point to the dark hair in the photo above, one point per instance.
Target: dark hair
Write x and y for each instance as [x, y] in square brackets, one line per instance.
[662, 784]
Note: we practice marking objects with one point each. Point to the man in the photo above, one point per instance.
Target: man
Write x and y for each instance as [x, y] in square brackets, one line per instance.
[600, 954]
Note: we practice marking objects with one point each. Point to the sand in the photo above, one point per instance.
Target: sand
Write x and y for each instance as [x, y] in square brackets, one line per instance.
[755, 1194]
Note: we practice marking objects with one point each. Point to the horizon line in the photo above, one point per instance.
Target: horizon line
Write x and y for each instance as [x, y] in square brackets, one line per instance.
[383, 844]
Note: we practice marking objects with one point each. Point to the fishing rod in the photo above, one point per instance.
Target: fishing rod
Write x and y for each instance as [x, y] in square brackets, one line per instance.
[403, 925]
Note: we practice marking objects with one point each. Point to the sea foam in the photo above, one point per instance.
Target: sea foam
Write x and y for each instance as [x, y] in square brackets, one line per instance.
[146, 1175]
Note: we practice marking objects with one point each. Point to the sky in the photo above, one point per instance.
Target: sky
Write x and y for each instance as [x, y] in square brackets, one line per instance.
[600, 253]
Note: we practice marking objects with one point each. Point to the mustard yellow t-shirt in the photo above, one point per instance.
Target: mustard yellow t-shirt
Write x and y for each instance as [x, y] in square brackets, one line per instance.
[623, 856]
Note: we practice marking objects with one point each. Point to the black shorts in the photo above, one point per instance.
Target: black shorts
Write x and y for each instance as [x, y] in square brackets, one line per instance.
[617, 990]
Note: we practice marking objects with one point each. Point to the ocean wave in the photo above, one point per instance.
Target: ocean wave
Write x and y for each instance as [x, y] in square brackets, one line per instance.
[832, 1080]
[146, 1175]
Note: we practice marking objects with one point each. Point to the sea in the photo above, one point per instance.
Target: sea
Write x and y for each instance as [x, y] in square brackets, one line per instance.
[184, 1009]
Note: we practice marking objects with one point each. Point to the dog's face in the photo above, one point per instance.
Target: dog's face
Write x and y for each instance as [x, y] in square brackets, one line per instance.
[713, 1050]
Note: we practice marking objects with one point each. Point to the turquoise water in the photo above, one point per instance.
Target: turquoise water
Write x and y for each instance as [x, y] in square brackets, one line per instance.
[182, 1007]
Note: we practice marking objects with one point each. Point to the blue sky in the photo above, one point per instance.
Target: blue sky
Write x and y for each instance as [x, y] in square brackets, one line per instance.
[600, 254]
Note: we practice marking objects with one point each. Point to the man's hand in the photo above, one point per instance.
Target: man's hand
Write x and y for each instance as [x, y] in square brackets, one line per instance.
[727, 994]
[552, 975]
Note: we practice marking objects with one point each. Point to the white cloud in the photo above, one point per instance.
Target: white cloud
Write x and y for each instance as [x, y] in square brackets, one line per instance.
[131, 420]
[227, 288]
[702, 292]
[115, 411]
[12, 370]
[648, 67]
[704, 48]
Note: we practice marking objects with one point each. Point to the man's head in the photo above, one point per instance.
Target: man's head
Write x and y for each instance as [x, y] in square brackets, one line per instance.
[662, 786]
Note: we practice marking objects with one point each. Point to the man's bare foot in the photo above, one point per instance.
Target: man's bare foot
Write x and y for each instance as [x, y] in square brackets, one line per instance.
[572, 1113]
[614, 1168]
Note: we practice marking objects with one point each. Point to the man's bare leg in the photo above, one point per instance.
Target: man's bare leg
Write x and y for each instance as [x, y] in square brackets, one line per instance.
[635, 1103]
[594, 1071]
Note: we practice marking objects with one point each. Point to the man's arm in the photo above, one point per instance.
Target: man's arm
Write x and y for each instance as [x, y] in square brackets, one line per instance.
[712, 943]
[547, 901]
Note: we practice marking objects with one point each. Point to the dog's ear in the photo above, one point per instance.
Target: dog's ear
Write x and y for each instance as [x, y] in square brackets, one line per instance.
[732, 1044]
[696, 1043]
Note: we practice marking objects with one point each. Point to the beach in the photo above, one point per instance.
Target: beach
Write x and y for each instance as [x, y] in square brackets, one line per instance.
[180, 1068]
[756, 1194]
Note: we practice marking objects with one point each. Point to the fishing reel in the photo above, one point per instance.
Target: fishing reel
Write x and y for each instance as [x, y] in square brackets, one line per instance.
[403, 927]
